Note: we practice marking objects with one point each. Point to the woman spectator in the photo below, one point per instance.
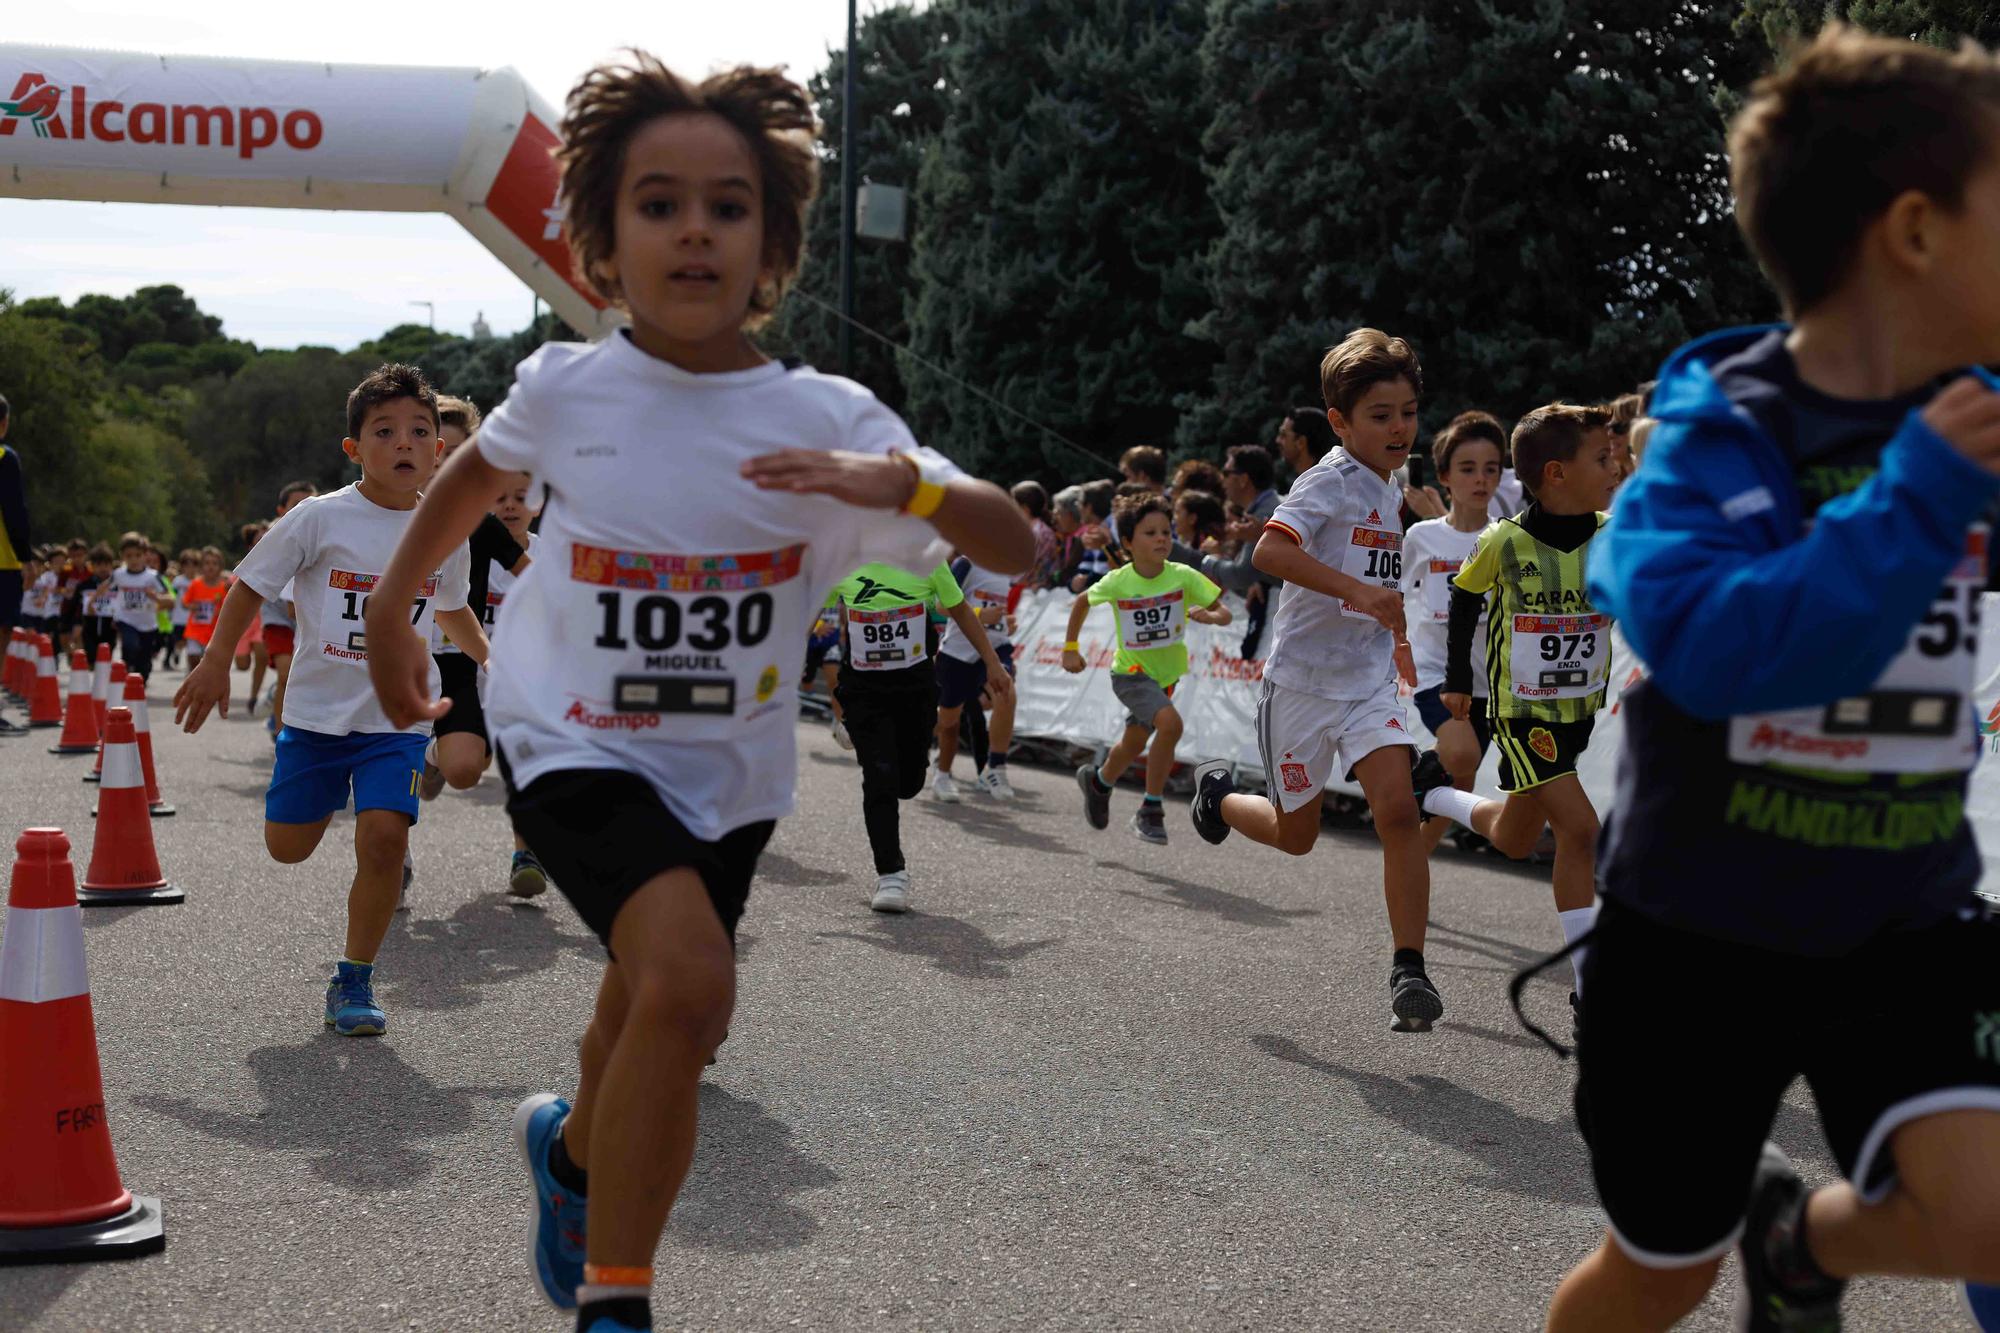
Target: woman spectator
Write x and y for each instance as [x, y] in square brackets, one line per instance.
[1197, 474]
[1034, 502]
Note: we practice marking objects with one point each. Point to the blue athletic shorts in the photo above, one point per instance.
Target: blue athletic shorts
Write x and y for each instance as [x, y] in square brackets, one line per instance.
[314, 771]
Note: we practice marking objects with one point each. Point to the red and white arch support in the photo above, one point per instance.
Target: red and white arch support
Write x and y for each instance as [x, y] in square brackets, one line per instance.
[129, 127]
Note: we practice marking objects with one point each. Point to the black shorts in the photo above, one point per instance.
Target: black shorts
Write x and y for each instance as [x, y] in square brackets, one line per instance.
[1430, 707]
[1682, 1065]
[960, 682]
[459, 682]
[1533, 752]
[602, 833]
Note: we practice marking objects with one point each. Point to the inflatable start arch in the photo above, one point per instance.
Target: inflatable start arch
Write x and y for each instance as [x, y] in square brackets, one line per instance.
[127, 127]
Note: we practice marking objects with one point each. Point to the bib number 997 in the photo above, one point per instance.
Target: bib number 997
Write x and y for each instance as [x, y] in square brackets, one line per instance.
[658, 622]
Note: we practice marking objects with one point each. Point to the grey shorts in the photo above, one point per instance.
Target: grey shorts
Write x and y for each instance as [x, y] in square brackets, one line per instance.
[1142, 696]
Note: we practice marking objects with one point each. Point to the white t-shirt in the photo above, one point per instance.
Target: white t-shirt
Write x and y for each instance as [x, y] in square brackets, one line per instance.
[48, 600]
[1433, 550]
[984, 591]
[1508, 498]
[132, 601]
[1346, 517]
[333, 550]
[661, 626]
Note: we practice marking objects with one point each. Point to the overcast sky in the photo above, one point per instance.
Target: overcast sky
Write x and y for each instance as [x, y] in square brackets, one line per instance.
[281, 277]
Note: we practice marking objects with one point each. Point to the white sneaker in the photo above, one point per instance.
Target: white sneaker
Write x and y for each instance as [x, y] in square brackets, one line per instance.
[840, 736]
[892, 892]
[944, 788]
[994, 783]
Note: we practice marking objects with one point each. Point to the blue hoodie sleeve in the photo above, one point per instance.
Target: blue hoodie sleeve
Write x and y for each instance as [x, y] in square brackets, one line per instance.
[1732, 610]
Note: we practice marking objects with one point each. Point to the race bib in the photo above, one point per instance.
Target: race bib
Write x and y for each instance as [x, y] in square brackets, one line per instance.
[1373, 555]
[686, 637]
[1438, 574]
[1559, 657]
[1152, 622]
[885, 640]
[136, 599]
[985, 600]
[1919, 718]
[202, 613]
[342, 634]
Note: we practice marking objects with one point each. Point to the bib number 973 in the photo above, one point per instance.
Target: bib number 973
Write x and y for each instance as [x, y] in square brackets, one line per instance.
[1568, 647]
[657, 622]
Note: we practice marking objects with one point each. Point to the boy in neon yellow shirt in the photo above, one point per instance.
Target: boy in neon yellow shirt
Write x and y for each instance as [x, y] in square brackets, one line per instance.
[1154, 598]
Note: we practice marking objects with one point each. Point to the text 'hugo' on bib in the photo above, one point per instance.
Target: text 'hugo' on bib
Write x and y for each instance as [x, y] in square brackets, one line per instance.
[1438, 573]
[886, 640]
[1152, 622]
[1919, 717]
[1560, 656]
[678, 634]
[1373, 555]
[342, 635]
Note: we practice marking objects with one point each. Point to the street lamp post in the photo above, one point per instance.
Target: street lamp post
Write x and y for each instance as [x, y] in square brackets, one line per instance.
[849, 177]
[432, 309]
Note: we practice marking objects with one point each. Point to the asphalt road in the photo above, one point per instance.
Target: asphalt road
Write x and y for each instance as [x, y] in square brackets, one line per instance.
[1088, 1084]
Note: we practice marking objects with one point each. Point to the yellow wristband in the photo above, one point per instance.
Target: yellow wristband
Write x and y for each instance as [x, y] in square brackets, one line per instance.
[927, 496]
[1072, 647]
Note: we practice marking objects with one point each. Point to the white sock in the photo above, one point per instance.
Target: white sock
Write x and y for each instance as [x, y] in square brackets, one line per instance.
[1576, 923]
[1451, 803]
[431, 753]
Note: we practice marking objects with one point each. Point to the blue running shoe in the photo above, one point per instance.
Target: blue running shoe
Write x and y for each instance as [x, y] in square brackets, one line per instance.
[1983, 1303]
[350, 1002]
[606, 1324]
[555, 1228]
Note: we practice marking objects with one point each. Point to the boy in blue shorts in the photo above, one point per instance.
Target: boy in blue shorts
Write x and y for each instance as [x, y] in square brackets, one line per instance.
[1787, 872]
[333, 552]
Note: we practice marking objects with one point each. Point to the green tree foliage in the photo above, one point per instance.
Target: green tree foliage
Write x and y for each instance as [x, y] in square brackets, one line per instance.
[1058, 216]
[903, 96]
[50, 392]
[1533, 193]
[1940, 22]
[279, 419]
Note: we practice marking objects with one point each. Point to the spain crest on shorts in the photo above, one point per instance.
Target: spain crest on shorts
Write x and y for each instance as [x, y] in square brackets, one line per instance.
[1542, 743]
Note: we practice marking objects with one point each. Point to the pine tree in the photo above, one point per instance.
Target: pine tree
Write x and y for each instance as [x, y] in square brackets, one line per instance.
[1059, 212]
[1939, 22]
[1532, 191]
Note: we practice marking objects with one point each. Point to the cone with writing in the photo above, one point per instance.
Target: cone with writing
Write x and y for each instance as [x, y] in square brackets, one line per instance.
[45, 706]
[60, 1195]
[79, 733]
[100, 683]
[124, 868]
[142, 728]
[115, 690]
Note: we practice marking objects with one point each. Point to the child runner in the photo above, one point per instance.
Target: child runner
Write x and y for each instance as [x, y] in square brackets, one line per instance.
[1330, 684]
[1468, 465]
[1548, 655]
[99, 603]
[888, 695]
[335, 735]
[187, 570]
[823, 661]
[1788, 876]
[203, 599]
[279, 619]
[525, 876]
[1153, 599]
[962, 679]
[645, 737]
[138, 593]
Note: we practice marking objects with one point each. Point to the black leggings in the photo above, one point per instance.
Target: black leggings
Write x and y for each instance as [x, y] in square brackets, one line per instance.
[891, 729]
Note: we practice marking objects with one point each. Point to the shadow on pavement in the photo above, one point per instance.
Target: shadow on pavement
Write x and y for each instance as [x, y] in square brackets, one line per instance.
[352, 1103]
[953, 946]
[1232, 907]
[1514, 956]
[990, 826]
[1537, 1159]
[746, 1170]
[28, 1291]
[777, 868]
[488, 941]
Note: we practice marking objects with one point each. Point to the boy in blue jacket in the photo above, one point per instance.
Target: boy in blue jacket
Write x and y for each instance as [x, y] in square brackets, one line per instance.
[1787, 874]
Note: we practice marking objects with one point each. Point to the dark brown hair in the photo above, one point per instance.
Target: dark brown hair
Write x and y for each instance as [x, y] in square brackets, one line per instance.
[1197, 474]
[1145, 460]
[384, 384]
[1827, 143]
[101, 554]
[1129, 509]
[291, 488]
[1465, 427]
[132, 539]
[612, 102]
[1209, 515]
[1552, 434]
[1362, 360]
[457, 412]
[1033, 497]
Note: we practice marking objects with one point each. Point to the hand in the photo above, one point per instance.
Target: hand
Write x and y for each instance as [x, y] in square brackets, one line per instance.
[998, 683]
[1245, 529]
[1967, 414]
[1459, 704]
[1072, 661]
[1406, 663]
[1211, 546]
[1094, 537]
[1383, 605]
[399, 666]
[206, 687]
[867, 481]
[1424, 501]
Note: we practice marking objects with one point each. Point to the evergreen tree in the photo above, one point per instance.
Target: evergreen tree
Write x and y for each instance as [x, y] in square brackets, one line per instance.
[1532, 191]
[1058, 217]
[1939, 22]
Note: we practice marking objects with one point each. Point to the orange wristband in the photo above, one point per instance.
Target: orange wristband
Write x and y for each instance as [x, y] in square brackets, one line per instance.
[611, 1275]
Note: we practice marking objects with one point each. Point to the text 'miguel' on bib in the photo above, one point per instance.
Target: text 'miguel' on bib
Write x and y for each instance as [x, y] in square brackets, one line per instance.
[1559, 657]
[342, 636]
[681, 634]
[1919, 718]
[886, 640]
[1152, 622]
[1373, 555]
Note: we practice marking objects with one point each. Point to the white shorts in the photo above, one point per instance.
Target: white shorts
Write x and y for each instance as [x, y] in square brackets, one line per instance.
[1301, 736]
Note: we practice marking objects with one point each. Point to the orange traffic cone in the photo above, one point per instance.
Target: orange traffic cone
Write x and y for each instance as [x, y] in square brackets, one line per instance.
[115, 690]
[79, 734]
[21, 680]
[124, 868]
[142, 727]
[10, 678]
[45, 708]
[100, 679]
[60, 1195]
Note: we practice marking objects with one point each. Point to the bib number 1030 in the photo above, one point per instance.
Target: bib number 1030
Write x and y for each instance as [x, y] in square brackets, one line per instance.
[658, 621]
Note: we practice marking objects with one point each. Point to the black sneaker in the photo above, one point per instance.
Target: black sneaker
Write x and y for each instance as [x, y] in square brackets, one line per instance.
[1096, 799]
[1413, 1000]
[1783, 1290]
[1427, 774]
[1211, 783]
[1150, 823]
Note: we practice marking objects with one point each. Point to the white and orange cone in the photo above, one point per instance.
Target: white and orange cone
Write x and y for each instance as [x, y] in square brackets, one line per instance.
[61, 1198]
[79, 733]
[142, 727]
[10, 677]
[115, 690]
[124, 868]
[100, 681]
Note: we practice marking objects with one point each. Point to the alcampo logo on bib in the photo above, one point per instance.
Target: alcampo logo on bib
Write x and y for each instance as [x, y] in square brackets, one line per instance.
[1542, 743]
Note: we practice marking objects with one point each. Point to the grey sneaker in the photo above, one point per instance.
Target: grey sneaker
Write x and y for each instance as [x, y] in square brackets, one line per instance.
[1096, 800]
[892, 893]
[1150, 823]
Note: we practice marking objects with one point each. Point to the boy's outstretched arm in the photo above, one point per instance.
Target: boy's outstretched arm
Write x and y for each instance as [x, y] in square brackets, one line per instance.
[1079, 611]
[398, 659]
[207, 686]
[1278, 555]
